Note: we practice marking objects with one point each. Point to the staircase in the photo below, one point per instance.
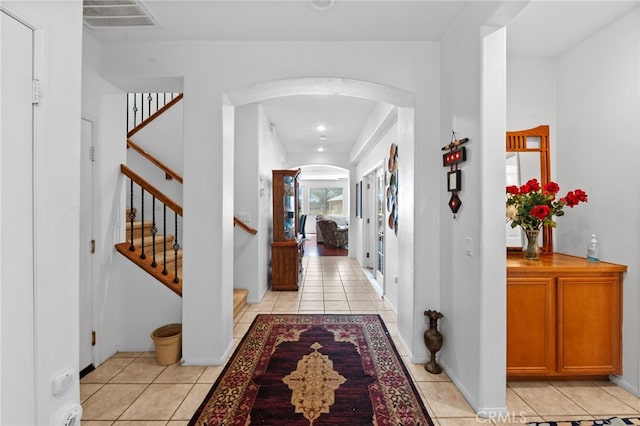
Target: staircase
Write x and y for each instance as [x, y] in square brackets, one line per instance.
[157, 254]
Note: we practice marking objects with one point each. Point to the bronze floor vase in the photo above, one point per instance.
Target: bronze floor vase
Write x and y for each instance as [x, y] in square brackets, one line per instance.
[314, 370]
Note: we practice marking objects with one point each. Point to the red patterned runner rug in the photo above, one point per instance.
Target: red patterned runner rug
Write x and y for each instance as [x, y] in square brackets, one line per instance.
[314, 370]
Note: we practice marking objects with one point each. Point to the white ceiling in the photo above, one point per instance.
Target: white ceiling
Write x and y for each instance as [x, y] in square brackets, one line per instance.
[544, 28]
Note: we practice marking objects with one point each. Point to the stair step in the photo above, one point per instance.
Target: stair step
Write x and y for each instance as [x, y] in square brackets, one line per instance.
[148, 243]
[239, 300]
[138, 228]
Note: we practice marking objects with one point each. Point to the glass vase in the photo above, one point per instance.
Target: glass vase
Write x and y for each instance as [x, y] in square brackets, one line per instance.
[532, 249]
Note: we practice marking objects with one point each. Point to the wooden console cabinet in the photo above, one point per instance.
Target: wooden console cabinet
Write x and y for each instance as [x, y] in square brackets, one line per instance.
[287, 248]
[564, 317]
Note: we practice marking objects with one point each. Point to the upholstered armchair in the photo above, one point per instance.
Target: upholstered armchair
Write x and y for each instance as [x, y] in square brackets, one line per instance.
[333, 236]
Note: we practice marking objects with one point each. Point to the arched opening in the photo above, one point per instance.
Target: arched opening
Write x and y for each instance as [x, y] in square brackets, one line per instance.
[403, 102]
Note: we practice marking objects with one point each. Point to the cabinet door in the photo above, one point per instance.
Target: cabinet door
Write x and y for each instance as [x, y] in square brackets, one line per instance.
[530, 326]
[589, 325]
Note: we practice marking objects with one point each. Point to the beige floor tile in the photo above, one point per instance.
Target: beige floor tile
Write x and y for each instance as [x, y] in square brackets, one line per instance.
[462, 421]
[178, 423]
[141, 370]
[445, 399]
[311, 306]
[285, 307]
[127, 354]
[336, 289]
[290, 297]
[419, 374]
[337, 306]
[311, 298]
[177, 373]
[157, 402]
[191, 403]
[110, 401]
[97, 423]
[516, 407]
[388, 316]
[241, 329]
[381, 305]
[249, 316]
[594, 399]
[392, 328]
[545, 399]
[358, 297]
[139, 423]
[210, 374]
[361, 306]
[337, 296]
[623, 395]
[107, 370]
[88, 389]
[563, 417]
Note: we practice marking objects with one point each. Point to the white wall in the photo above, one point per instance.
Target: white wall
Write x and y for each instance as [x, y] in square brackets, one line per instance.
[272, 155]
[210, 70]
[472, 293]
[58, 31]
[252, 195]
[598, 151]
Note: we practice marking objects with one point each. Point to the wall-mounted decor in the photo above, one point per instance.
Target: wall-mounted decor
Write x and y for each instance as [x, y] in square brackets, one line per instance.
[457, 154]
[392, 189]
[454, 180]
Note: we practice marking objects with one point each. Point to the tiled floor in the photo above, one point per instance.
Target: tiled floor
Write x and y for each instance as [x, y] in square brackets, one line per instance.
[131, 389]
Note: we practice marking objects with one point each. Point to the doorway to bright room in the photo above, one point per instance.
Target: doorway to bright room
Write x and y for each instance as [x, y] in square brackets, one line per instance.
[325, 194]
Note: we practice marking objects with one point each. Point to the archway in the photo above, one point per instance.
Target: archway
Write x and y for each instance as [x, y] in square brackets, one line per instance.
[404, 101]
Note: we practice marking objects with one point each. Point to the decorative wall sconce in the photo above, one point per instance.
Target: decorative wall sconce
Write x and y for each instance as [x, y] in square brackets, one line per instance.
[457, 154]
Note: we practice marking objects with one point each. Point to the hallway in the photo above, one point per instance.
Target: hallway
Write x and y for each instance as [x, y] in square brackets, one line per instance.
[131, 389]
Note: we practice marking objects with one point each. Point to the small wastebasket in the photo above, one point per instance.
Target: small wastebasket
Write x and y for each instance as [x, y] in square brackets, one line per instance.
[168, 342]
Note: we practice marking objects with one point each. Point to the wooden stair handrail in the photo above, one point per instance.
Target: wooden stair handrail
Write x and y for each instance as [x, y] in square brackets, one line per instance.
[170, 173]
[151, 189]
[155, 115]
[244, 226]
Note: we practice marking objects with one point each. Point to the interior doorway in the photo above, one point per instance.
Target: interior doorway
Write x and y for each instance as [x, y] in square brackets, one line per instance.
[87, 247]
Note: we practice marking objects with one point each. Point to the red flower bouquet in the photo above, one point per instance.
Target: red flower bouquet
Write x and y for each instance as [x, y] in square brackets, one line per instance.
[531, 206]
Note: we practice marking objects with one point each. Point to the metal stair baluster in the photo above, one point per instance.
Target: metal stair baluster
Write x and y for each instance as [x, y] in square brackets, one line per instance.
[154, 231]
[142, 255]
[176, 247]
[132, 216]
[164, 251]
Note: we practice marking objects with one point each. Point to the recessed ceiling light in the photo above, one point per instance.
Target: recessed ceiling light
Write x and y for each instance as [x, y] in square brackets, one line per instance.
[322, 4]
[320, 149]
[323, 137]
[321, 127]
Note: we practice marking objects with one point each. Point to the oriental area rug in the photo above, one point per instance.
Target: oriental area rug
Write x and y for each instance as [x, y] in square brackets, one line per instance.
[613, 421]
[314, 370]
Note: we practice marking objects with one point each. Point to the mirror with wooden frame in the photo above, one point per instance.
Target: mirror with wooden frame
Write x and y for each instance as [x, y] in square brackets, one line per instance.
[525, 149]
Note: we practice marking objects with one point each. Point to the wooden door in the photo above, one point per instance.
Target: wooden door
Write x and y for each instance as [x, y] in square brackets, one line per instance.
[530, 326]
[589, 325]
